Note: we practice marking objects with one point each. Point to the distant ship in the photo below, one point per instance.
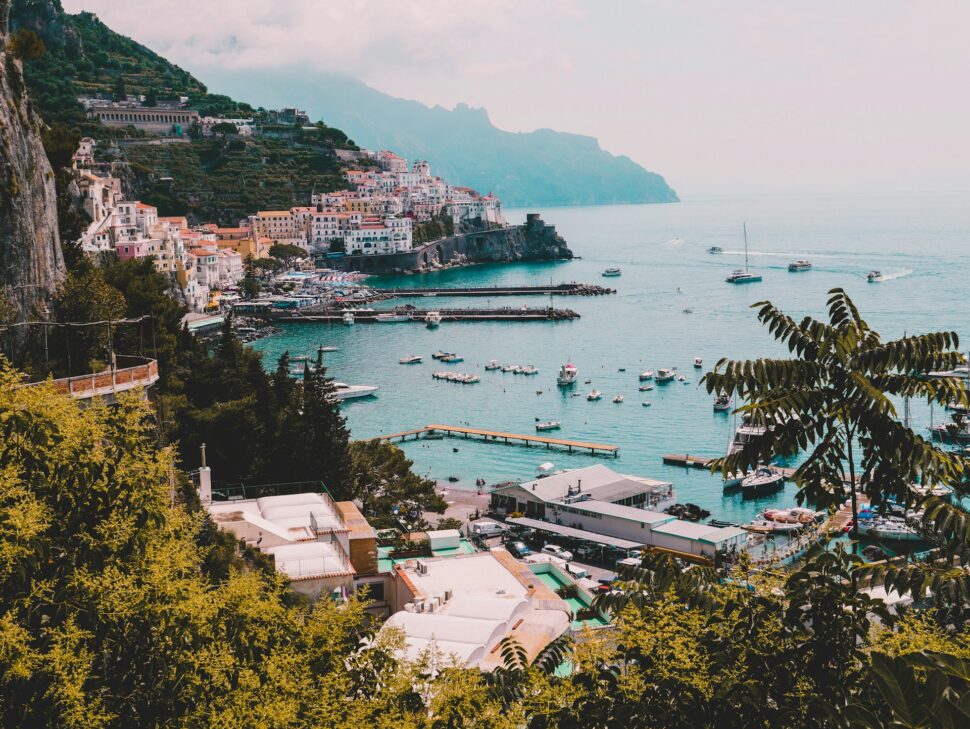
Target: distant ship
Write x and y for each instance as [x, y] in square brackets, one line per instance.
[612, 272]
[742, 275]
[800, 265]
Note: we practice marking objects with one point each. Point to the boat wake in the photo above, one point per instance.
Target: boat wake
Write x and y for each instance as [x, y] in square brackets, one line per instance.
[895, 275]
[673, 242]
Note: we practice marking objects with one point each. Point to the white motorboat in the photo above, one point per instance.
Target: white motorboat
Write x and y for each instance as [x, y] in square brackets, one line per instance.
[432, 319]
[452, 358]
[548, 425]
[722, 403]
[493, 364]
[328, 348]
[646, 375]
[698, 363]
[529, 370]
[618, 399]
[410, 359]
[441, 355]
[509, 368]
[392, 318]
[665, 374]
[801, 264]
[889, 529]
[349, 392]
[874, 276]
[567, 375]
[594, 395]
[646, 388]
[347, 318]
[681, 379]
[612, 272]
[766, 526]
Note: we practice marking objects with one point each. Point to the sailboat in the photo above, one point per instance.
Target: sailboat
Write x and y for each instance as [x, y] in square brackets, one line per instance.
[741, 276]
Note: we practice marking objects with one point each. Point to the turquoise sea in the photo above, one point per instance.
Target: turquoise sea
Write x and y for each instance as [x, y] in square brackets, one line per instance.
[920, 242]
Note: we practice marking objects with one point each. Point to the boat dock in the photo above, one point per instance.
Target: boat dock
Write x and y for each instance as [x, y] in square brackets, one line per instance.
[688, 461]
[418, 315]
[497, 436]
[563, 289]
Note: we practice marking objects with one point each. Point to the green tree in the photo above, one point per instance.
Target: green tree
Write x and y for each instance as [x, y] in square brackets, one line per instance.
[26, 45]
[119, 91]
[151, 98]
[287, 253]
[85, 304]
[833, 398]
[383, 478]
[250, 285]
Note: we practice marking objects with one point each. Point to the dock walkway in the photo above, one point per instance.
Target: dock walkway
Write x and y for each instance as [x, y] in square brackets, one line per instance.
[498, 436]
[417, 316]
[563, 289]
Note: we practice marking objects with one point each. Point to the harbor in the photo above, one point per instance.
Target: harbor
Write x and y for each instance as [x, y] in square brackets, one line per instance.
[563, 289]
[417, 316]
[496, 436]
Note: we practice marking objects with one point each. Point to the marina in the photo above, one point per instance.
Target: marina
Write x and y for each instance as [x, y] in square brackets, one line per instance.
[498, 436]
[563, 289]
[420, 316]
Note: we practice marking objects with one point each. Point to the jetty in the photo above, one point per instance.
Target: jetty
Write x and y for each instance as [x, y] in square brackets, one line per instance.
[498, 436]
[507, 313]
[686, 460]
[563, 289]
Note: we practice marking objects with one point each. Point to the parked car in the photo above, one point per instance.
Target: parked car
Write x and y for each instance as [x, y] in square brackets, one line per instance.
[518, 549]
[556, 551]
[587, 551]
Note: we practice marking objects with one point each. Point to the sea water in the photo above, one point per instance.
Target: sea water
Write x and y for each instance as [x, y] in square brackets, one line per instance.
[918, 242]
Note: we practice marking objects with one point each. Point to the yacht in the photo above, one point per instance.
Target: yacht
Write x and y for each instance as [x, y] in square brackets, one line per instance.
[567, 375]
[348, 318]
[722, 403]
[698, 363]
[493, 364]
[715, 249]
[548, 425]
[665, 374]
[392, 318]
[646, 375]
[594, 395]
[874, 276]
[349, 392]
[432, 319]
[612, 272]
[895, 529]
[800, 265]
[742, 275]
[763, 482]
[410, 359]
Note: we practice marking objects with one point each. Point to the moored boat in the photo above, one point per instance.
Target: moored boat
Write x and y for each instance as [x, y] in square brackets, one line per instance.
[410, 359]
[665, 374]
[801, 264]
[763, 482]
[432, 319]
[742, 275]
[722, 403]
[594, 395]
[646, 375]
[452, 358]
[567, 375]
[392, 318]
[548, 425]
[698, 363]
[612, 272]
[493, 364]
[347, 318]
[618, 399]
[343, 391]
[646, 388]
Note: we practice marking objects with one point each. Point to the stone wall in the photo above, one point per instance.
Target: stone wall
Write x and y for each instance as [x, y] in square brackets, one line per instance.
[533, 241]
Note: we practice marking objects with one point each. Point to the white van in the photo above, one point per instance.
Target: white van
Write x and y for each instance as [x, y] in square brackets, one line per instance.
[487, 528]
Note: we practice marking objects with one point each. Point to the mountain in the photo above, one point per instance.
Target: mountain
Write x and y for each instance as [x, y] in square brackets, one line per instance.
[543, 167]
[31, 264]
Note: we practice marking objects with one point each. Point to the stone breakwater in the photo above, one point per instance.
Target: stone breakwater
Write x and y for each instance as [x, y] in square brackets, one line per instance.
[533, 241]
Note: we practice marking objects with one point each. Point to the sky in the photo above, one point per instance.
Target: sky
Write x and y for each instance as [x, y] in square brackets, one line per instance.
[718, 96]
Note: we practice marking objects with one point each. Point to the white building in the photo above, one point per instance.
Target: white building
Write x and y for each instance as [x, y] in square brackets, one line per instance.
[379, 235]
[463, 607]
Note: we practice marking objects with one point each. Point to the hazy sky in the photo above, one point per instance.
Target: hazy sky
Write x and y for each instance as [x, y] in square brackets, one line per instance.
[775, 95]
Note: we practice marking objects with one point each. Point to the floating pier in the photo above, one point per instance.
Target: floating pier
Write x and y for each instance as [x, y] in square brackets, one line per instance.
[686, 460]
[497, 436]
[417, 316]
[563, 289]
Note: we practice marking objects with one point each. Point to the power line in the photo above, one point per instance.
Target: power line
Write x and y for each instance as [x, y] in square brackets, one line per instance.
[112, 322]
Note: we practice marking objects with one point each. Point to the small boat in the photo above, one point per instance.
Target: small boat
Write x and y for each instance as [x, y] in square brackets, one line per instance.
[621, 369]
[762, 482]
[618, 399]
[441, 355]
[299, 358]
[715, 249]
[493, 364]
[681, 379]
[874, 276]
[800, 265]
[432, 319]
[688, 310]
[646, 403]
[529, 370]
[698, 363]
[646, 375]
[612, 272]
[328, 348]
[343, 391]
[594, 395]
[410, 359]
[297, 371]
[509, 368]
[548, 425]
[392, 318]
[665, 374]
[453, 358]
[722, 403]
[742, 275]
[567, 375]
[646, 388]
[347, 318]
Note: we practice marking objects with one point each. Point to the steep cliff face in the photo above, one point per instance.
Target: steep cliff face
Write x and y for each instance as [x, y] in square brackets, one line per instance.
[31, 264]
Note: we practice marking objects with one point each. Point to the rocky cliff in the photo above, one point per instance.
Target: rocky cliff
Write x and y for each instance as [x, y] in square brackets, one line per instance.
[533, 241]
[31, 264]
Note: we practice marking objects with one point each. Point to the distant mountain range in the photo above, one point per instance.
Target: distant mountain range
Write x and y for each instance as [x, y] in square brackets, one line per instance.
[544, 167]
